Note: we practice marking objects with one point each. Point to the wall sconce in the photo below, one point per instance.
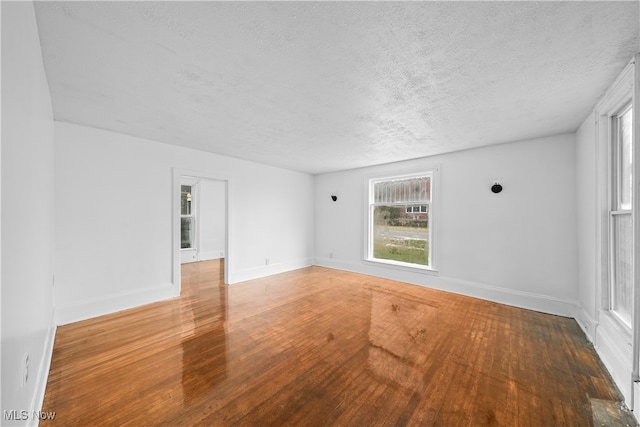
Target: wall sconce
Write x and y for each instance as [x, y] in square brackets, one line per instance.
[496, 187]
[334, 197]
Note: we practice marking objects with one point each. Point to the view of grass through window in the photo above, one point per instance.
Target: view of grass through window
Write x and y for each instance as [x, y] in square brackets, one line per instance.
[400, 220]
[404, 243]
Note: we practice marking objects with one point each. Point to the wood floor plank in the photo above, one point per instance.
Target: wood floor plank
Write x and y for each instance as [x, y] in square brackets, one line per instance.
[320, 347]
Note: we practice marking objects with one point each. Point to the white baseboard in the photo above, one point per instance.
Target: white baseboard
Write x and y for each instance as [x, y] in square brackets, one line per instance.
[613, 346]
[43, 370]
[209, 255]
[586, 322]
[522, 299]
[636, 401]
[87, 309]
[267, 270]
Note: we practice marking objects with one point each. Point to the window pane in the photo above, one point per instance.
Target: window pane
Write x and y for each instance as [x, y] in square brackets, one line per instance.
[626, 137]
[400, 236]
[185, 200]
[186, 231]
[407, 190]
[622, 289]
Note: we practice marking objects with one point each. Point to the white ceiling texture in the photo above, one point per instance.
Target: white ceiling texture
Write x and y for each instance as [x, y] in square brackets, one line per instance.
[326, 86]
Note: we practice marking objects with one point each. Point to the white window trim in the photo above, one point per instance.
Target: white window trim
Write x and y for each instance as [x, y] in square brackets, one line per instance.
[616, 100]
[616, 342]
[194, 183]
[434, 218]
[613, 187]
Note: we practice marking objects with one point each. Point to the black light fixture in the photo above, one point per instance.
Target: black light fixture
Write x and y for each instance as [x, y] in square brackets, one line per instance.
[334, 197]
[496, 188]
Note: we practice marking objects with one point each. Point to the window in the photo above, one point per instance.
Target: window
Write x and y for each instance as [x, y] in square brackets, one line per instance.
[614, 329]
[621, 225]
[399, 223]
[187, 217]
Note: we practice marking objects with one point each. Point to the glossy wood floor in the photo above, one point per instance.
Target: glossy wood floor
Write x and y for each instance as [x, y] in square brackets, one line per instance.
[323, 347]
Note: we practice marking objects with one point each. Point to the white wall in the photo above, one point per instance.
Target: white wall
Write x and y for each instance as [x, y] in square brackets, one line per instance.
[27, 215]
[586, 186]
[517, 247]
[114, 225]
[211, 217]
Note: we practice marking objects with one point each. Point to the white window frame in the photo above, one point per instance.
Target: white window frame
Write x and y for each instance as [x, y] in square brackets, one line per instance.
[615, 101]
[617, 343]
[434, 173]
[194, 184]
[614, 206]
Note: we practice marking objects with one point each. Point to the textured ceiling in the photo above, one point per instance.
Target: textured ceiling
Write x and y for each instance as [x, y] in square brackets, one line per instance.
[325, 86]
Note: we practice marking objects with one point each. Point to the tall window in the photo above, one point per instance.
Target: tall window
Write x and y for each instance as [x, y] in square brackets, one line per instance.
[400, 220]
[187, 217]
[621, 225]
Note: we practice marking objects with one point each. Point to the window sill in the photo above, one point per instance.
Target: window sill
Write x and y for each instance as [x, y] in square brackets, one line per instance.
[403, 267]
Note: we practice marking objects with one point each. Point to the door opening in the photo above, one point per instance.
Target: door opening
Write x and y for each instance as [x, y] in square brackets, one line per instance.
[200, 221]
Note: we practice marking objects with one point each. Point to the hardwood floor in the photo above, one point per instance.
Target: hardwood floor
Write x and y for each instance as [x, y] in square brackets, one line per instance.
[323, 347]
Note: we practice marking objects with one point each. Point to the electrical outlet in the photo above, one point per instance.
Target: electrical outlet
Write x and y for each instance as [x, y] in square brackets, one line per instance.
[26, 369]
[266, 261]
[330, 254]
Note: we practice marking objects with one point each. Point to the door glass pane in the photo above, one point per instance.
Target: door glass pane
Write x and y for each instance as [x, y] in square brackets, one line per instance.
[622, 290]
[187, 229]
[185, 200]
[401, 233]
[626, 137]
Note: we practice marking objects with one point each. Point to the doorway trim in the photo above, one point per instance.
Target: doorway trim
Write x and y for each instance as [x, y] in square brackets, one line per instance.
[177, 175]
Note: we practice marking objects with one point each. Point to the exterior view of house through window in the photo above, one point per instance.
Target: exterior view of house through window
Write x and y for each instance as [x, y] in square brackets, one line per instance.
[399, 220]
[187, 217]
